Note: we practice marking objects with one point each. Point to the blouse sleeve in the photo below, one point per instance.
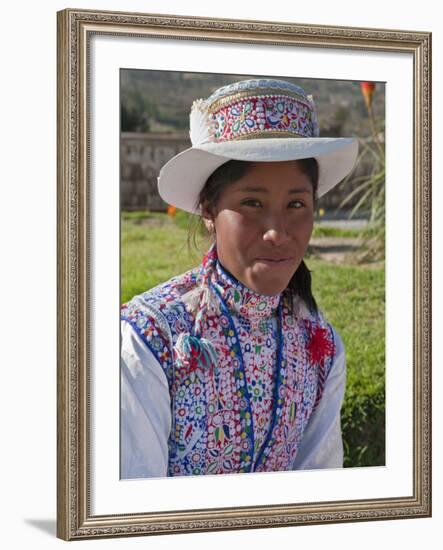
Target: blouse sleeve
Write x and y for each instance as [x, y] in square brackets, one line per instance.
[321, 445]
[145, 409]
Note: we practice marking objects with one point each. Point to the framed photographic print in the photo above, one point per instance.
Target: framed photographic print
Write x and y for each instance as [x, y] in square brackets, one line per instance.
[125, 83]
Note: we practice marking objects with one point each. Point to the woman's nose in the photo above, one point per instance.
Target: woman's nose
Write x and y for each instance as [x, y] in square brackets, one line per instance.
[276, 232]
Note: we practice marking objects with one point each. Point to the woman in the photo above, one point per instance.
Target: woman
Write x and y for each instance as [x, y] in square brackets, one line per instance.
[231, 367]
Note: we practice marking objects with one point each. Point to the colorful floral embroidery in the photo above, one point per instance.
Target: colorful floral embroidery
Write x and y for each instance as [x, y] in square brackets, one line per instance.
[276, 113]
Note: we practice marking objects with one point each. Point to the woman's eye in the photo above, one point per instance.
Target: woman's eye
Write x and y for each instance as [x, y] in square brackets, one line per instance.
[255, 203]
[296, 204]
[251, 202]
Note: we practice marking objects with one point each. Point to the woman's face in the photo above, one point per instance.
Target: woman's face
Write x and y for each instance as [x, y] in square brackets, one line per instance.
[263, 223]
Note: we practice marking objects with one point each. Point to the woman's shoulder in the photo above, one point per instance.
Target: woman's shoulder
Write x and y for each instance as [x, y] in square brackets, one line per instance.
[168, 291]
[314, 321]
[166, 304]
[323, 342]
[299, 309]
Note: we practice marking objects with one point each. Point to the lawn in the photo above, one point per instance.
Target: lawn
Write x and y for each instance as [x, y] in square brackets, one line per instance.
[154, 247]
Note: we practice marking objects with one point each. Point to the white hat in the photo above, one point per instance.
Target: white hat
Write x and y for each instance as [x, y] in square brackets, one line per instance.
[253, 120]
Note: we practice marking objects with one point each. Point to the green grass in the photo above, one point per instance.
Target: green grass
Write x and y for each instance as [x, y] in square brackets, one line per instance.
[353, 300]
[139, 216]
[151, 253]
[154, 248]
[326, 231]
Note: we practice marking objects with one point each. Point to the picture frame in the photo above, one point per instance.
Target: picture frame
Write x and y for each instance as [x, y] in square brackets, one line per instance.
[87, 41]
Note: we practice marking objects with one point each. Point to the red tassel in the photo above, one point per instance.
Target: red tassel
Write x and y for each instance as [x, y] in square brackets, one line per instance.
[320, 345]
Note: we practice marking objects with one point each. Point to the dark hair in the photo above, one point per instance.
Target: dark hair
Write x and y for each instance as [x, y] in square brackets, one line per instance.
[232, 171]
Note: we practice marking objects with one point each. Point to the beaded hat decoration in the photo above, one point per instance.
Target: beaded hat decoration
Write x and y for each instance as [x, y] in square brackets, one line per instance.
[255, 120]
[281, 109]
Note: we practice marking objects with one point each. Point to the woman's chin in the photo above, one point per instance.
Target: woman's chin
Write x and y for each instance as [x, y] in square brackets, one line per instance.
[269, 281]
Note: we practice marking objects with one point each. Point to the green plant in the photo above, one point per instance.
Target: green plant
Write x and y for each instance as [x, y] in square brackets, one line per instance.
[369, 190]
[352, 299]
[363, 426]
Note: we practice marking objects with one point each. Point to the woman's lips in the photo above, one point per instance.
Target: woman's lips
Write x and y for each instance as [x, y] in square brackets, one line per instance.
[275, 261]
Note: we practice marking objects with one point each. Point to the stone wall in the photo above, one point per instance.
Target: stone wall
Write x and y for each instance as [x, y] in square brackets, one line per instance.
[142, 156]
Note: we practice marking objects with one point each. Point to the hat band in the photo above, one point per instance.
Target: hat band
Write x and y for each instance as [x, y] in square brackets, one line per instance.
[269, 115]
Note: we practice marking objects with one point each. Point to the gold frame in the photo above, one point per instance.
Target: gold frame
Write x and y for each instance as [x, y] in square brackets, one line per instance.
[75, 27]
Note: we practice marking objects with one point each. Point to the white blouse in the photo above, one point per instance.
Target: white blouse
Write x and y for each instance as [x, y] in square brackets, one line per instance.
[146, 414]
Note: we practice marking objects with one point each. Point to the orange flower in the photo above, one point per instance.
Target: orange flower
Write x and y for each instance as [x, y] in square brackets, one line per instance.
[367, 89]
[171, 210]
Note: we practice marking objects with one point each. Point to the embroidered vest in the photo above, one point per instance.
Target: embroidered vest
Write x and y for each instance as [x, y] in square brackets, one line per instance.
[248, 411]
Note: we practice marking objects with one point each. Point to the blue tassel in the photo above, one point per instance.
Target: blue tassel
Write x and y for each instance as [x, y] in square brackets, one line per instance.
[194, 354]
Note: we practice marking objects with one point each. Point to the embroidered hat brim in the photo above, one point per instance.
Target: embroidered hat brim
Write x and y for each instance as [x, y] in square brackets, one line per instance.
[183, 177]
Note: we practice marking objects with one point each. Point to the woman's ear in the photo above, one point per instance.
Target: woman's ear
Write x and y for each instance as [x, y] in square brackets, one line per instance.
[207, 217]
[210, 225]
